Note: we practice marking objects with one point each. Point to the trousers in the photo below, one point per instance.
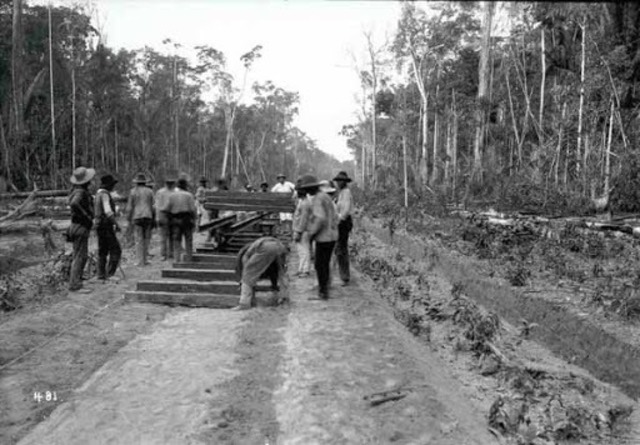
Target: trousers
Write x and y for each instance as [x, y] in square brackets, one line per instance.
[182, 225]
[322, 266]
[304, 253]
[166, 239]
[108, 247]
[79, 261]
[342, 248]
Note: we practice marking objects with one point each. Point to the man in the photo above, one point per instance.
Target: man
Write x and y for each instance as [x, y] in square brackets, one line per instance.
[182, 206]
[106, 228]
[300, 237]
[265, 256]
[81, 204]
[163, 217]
[284, 186]
[345, 224]
[323, 229]
[141, 215]
[201, 196]
[264, 187]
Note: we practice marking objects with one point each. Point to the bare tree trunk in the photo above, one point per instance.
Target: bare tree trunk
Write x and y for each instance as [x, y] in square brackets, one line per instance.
[404, 171]
[115, 142]
[454, 148]
[54, 167]
[542, 82]
[6, 157]
[559, 147]
[424, 99]
[583, 26]
[73, 119]
[483, 77]
[17, 75]
[434, 171]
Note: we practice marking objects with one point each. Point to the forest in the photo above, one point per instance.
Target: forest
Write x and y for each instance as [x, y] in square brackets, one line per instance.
[68, 99]
[529, 104]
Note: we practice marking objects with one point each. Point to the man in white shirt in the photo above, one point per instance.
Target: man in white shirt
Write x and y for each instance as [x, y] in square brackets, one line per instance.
[345, 224]
[284, 186]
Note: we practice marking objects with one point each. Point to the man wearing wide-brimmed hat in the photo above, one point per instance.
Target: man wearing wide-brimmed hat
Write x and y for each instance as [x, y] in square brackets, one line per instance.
[345, 224]
[141, 215]
[182, 206]
[323, 229]
[106, 228]
[163, 216]
[81, 204]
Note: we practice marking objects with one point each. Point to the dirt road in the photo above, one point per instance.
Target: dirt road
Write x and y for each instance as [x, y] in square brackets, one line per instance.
[291, 375]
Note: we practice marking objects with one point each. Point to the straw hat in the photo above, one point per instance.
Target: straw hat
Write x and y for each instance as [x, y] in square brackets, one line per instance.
[82, 175]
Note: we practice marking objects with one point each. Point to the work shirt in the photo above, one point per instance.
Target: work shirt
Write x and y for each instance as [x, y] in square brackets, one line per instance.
[323, 223]
[302, 214]
[345, 204]
[181, 201]
[255, 258]
[81, 205]
[104, 209]
[162, 199]
[286, 187]
[140, 204]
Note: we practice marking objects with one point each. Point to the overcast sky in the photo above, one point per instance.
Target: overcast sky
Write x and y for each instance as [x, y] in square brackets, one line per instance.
[306, 46]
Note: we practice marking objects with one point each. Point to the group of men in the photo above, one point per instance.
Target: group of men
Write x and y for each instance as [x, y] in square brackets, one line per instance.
[321, 223]
[172, 209]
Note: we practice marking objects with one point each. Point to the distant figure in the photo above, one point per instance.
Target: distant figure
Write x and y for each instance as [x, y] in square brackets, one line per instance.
[265, 256]
[163, 217]
[182, 206]
[264, 187]
[106, 228]
[284, 186]
[201, 197]
[323, 229]
[345, 225]
[141, 214]
[300, 235]
[249, 188]
[81, 204]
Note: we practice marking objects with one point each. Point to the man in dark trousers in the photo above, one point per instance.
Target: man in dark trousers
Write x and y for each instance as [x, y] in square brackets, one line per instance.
[265, 257]
[322, 226]
[81, 204]
[182, 206]
[106, 228]
[141, 216]
[345, 224]
[163, 217]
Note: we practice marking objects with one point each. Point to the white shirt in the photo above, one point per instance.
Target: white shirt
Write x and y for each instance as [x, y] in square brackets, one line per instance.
[286, 187]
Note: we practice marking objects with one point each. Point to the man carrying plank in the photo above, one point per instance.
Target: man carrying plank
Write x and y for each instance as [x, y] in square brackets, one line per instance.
[265, 257]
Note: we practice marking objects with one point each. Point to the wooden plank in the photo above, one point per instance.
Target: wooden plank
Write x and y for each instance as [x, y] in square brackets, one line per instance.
[184, 299]
[250, 207]
[226, 265]
[265, 196]
[197, 287]
[245, 224]
[218, 223]
[200, 275]
[213, 258]
[213, 301]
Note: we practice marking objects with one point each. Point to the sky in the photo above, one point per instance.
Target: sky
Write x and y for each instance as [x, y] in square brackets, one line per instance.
[307, 46]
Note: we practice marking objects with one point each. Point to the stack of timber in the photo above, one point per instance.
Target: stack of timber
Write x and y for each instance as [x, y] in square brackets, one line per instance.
[209, 278]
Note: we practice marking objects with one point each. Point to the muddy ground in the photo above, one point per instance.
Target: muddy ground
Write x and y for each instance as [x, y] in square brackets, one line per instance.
[304, 373]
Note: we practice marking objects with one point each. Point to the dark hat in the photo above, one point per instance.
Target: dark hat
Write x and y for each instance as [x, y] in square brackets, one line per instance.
[108, 181]
[265, 184]
[307, 181]
[281, 175]
[203, 180]
[342, 176]
[140, 179]
[82, 175]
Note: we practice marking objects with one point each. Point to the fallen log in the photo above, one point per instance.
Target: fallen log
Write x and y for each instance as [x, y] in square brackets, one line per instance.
[30, 226]
[27, 206]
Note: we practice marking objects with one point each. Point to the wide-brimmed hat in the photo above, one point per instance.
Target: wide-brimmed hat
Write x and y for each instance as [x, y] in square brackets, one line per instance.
[265, 184]
[307, 181]
[203, 180]
[140, 179]
[342, 176]
[82, 175]
[325, 186]
[108, 181]
[281, 175]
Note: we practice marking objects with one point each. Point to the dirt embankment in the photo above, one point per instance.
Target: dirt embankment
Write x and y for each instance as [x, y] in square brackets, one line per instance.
[443, 300]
